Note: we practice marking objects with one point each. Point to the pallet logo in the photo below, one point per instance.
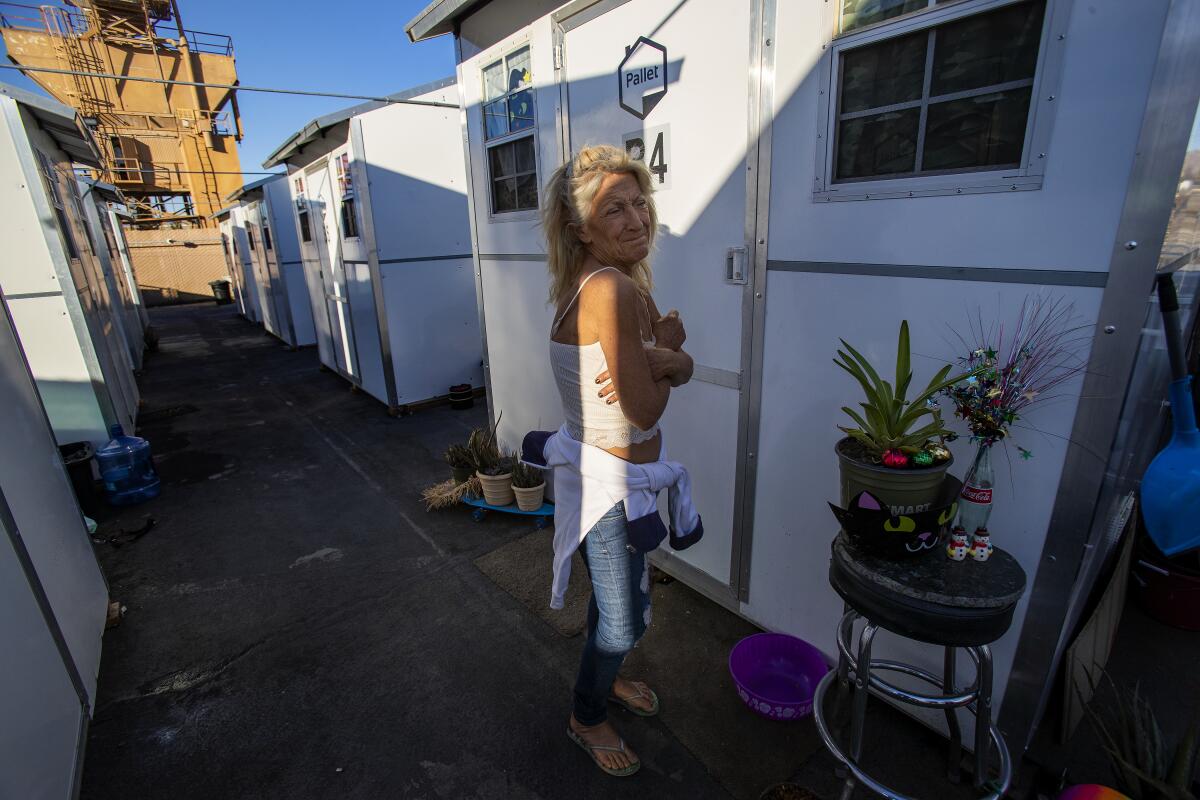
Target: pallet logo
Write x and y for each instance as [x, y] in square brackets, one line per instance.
[642, 77]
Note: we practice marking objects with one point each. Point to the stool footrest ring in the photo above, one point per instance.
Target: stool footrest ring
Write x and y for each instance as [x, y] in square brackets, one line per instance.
[1005, 776]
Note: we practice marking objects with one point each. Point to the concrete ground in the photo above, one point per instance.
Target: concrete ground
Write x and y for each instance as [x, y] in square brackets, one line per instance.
[299, 626]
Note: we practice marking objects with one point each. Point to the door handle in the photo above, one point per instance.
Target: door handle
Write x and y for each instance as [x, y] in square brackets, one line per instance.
[735, 265]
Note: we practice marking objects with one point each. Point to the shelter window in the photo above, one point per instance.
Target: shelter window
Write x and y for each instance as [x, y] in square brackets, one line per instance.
[250, 236]
[513, 175]
[302, 211]
[508, 95]
[951, 97]
[267, 238]
[345, 180]
[54, 195]
[508, 120]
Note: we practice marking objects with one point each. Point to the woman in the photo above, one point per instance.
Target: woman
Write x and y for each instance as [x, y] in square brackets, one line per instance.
[615, 360]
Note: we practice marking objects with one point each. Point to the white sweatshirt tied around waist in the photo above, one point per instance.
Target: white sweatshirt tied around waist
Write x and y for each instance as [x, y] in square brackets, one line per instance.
[588, 482]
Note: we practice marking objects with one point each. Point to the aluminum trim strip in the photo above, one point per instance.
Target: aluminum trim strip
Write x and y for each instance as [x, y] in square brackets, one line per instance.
[512, 257]
[451, 257]
[717, 376]
[1035, 277]
[31, 295]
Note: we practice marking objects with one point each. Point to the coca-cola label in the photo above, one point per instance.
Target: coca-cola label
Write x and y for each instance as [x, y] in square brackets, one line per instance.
[976, 495]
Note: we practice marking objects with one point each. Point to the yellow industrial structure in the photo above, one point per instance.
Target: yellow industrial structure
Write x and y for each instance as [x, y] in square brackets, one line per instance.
[170, 148]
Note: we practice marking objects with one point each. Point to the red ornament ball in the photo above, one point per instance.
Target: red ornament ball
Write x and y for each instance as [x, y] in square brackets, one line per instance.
[895, 459]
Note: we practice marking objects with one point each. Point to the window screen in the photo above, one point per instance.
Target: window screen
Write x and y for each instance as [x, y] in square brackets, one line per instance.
[349, 219]
[951, 98]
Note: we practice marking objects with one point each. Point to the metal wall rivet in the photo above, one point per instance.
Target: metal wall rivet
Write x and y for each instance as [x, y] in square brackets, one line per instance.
[758, 295]
[1062, 36]
[1041, 155]
[768, 42]
[762, 241]
[1110, 328]
[1051, 97]
[1131, 244]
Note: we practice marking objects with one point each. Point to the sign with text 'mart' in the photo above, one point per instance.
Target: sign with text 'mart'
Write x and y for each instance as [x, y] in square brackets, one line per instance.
[642, 77]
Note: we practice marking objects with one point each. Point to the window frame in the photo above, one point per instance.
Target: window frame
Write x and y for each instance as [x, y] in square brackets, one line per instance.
[347, 183]
[501, 56]
[1027, 176]
[300, 203]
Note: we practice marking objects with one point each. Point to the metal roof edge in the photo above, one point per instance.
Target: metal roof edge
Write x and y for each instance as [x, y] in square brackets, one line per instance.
[220, 212]
[105, 189]
[439, 18]
[316, 127]
[65, 121]
[242, 191]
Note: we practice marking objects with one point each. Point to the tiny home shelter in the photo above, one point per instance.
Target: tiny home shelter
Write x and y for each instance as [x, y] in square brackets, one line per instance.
[101, 204]
[379, 203]
[824, 171]
[270, 235]
[245, 284]
[52, 276]
[52, 592]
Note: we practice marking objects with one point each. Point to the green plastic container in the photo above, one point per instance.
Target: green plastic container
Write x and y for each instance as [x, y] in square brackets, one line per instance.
[905, 491]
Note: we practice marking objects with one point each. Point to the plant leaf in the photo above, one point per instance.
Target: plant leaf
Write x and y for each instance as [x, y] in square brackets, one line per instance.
[903, 365]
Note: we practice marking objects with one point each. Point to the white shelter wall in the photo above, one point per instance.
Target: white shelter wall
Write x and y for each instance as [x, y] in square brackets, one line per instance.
[26, 267]
[283, 224]
[522, 383]
[433, 326]
[1066, 225]
[416, 176]
[42, 502]
[366, 329]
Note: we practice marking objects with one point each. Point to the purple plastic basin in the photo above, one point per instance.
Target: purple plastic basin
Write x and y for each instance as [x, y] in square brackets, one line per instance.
[776, 674]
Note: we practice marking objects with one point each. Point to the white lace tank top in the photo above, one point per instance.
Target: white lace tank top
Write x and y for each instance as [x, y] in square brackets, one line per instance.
[589, 418]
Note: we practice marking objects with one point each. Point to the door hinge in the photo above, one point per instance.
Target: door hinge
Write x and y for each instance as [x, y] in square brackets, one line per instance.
[558, 59]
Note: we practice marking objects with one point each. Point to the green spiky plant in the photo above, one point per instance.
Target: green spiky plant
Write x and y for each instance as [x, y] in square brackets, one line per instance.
[889, 419]
[482, 448]
[524, 476]
[1142, 763]
[459, 457]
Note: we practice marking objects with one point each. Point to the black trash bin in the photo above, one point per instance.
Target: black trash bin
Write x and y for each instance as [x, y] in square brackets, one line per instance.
[78, 457]
[220, 290]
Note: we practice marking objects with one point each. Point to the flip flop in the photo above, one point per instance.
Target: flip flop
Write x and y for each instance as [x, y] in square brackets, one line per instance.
[628, 706]
[591, 750]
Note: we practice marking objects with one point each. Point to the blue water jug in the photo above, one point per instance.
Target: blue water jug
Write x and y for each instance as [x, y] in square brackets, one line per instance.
[126, 469]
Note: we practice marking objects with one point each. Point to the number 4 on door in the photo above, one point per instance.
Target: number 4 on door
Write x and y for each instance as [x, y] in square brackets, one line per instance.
[655, 142]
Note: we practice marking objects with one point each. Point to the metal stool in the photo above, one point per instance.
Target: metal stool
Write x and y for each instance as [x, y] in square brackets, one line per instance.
[955, 605]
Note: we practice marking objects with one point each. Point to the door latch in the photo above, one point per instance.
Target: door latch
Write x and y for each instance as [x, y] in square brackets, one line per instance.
[735, 265]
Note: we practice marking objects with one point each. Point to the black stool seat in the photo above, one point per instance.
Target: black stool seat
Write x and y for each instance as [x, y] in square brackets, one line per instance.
[931, 599]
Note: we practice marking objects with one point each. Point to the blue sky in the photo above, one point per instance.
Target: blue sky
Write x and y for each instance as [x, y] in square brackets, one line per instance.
[355, 46]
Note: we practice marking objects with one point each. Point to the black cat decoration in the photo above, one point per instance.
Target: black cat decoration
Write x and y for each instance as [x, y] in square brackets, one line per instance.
[872, 525]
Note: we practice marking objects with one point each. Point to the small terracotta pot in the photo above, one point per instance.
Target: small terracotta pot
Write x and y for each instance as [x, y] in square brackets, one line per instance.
[530, 499]
[497, 489]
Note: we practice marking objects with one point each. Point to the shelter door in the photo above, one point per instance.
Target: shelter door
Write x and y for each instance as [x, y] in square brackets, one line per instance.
[666, 82]
[337, 298]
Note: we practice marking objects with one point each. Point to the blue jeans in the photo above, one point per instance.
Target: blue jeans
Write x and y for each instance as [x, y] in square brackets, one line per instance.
[618, 612]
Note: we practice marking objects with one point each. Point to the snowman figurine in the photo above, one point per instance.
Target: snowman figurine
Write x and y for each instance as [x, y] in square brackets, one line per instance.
[958, 546]
[981, 546]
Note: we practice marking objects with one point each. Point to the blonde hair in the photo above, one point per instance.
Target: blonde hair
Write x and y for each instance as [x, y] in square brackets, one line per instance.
[569, 196]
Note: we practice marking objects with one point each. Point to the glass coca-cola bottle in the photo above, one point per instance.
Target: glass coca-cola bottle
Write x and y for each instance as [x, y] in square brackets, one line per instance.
[975, 500]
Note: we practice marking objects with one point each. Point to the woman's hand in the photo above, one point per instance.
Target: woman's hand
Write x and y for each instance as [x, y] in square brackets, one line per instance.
[668, 331]
[669, 365]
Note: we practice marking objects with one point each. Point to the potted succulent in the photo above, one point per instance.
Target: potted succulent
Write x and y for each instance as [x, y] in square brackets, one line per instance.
[462, 466]
[895, 453]
[496, 479]
[529, 485]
